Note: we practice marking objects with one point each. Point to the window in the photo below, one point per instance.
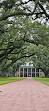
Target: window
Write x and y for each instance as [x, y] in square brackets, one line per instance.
[29, 69]
[33, 69]
[25, 69]
[37, 70]
[21, 69]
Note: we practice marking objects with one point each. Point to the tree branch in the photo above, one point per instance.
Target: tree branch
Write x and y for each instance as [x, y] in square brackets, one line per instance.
[19, 13]
[17, 59]
[44, 11]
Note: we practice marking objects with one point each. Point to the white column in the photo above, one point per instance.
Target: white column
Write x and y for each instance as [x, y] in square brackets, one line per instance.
[39, 72]
[19, 72]
[35, 72]
[31, 72]
[23, 71]
[27, 72]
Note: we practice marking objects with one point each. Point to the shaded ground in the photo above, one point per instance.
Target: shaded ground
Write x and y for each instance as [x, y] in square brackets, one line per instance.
[24, 95]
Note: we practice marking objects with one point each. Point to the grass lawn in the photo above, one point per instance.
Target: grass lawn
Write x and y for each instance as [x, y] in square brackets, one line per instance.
[42, 80]
[5, 80]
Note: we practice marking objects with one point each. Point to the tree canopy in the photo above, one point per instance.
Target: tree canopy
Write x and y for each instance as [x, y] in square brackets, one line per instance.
[36, 8]
[15, 43]
[19, 29]
[41, 58]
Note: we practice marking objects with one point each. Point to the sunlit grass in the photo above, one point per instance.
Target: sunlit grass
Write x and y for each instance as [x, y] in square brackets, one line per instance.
[5, 80]
[42, 80]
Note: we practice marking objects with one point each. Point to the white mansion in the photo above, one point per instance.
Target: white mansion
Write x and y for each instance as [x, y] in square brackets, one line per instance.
[29, 71]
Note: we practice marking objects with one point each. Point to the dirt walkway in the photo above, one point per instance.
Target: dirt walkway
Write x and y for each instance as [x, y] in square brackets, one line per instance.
[24, 95]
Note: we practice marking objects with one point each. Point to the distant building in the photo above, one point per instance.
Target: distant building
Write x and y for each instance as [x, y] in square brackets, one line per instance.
[29, 71]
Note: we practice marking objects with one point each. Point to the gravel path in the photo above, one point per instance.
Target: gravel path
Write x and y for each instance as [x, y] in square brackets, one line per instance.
[24, 95]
